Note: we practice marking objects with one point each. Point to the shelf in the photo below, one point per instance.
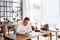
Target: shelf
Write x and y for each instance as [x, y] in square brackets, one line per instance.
[9, 1]
[6, 11]
[5, 16]
[5, 6]
[18, 7]
[10, 11]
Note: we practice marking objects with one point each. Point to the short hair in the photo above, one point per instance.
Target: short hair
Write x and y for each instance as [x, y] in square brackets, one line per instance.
[26, 18]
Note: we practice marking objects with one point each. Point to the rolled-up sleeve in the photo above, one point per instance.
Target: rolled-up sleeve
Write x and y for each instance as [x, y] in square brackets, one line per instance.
[29, 29]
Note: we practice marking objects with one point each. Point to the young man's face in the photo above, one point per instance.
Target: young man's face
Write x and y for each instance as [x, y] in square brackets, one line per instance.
[25, 22]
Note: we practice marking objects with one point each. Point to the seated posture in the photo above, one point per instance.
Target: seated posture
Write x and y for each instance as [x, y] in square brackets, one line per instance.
[24, 27]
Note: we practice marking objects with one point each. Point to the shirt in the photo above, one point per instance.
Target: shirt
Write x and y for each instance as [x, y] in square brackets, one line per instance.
[21, 29]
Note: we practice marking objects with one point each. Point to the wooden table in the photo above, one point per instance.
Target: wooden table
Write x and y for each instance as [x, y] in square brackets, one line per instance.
[34, 34]
[10, 37]
[6, 27]
[56, 31]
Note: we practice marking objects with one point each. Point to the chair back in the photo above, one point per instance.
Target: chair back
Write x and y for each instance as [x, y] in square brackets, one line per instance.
[45, 27]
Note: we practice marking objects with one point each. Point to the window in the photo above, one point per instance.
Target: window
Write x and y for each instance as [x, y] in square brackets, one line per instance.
[9, 10]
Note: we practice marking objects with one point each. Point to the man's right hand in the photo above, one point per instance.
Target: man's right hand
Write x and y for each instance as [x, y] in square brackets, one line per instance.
[27, 34]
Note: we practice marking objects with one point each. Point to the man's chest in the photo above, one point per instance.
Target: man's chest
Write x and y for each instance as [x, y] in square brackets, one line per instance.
[23, 27]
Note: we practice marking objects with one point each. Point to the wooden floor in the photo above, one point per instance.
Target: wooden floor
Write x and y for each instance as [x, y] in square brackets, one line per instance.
[1, 38]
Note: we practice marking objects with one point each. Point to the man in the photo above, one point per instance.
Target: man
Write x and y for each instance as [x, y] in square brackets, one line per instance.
[24, 27]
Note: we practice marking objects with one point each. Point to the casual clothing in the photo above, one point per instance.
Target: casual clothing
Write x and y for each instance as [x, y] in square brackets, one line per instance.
[21, 29]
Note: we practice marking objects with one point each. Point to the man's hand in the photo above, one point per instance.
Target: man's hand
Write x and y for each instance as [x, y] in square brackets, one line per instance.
[27, 34]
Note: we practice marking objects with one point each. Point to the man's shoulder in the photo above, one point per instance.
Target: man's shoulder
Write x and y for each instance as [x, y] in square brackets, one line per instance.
[20, 22]
[28, 25]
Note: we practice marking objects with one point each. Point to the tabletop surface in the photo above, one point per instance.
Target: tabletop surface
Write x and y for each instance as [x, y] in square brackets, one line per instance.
[32, 35]
[11, 36]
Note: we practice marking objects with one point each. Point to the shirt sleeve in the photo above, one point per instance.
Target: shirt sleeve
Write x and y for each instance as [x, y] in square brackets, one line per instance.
[29, 29]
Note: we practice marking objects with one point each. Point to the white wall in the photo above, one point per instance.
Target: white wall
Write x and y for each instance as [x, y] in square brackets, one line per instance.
[51, 11]
[29, 11]
[26, 8]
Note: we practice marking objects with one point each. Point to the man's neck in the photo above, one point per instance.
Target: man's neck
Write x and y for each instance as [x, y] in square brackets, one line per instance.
[24, 24]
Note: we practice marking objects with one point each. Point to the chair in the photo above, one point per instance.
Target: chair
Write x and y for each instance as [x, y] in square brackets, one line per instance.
[34, 27]
[1, 30]
[58, 36]
[4, 29]
[11, 28]
[45, 27]
[0, 27]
